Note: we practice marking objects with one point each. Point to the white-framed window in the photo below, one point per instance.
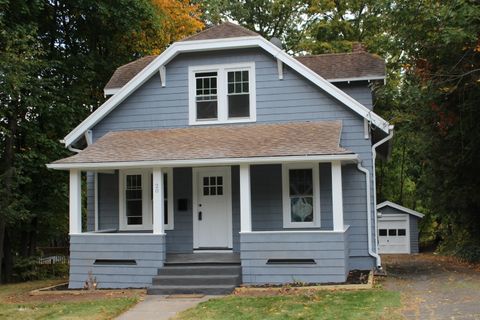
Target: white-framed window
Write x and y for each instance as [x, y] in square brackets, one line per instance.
[222, 93]
[301, 195]
[136, 202]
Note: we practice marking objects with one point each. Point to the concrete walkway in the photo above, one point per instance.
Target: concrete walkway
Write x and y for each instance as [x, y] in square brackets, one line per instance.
[162, 307]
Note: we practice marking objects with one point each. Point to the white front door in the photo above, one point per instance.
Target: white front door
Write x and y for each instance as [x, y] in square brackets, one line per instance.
[212, 214]
[393, 234]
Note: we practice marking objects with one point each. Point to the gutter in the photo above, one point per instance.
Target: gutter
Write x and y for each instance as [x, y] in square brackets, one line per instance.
[371, 251]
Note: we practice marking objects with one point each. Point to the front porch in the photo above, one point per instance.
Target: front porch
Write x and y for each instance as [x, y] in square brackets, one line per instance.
[274, 194]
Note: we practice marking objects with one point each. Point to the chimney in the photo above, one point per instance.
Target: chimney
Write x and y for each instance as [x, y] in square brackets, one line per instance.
[358, 47]
[277, 42]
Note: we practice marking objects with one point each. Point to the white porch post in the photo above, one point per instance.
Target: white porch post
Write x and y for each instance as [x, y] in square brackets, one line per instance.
[245, 199]
[75, 198]
[158, 204]
[337, 196]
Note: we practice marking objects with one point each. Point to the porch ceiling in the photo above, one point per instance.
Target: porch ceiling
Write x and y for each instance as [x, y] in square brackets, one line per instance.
[253, 141]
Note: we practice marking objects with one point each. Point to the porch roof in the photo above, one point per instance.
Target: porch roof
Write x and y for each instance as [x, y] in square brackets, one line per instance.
[209, 143]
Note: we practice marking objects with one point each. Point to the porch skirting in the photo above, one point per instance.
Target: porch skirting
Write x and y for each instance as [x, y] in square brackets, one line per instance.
[294, 256]
[115, 260]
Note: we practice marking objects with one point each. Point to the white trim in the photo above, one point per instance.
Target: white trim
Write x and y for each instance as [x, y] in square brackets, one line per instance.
[337, 195]
[280, 69]
[202, 162]
[111, 92]
[158, 200]
[163, 75]
[366, 129]
[95, 188]
[367, 78]
[146, 203]
[222, 92]
[281, 232]
[245, 199]
[89, 137]
[221, 44]
[287, 223]
[75, 202]
[401, 208]
[227, 187]
[118, 234]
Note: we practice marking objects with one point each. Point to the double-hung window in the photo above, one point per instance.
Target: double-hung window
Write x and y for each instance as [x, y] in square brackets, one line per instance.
[301, 195]
[222, 94]
[136, 202]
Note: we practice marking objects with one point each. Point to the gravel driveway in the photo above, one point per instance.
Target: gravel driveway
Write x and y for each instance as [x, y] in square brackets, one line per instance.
[434, 287]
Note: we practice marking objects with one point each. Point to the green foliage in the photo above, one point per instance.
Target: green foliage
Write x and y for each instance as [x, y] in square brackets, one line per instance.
[29, 268]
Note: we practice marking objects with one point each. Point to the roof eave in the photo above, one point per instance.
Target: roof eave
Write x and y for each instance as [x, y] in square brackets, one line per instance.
[350, 157]
[400, 208]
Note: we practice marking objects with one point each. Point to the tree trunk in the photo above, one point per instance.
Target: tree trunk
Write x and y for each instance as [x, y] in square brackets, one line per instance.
[2, 238]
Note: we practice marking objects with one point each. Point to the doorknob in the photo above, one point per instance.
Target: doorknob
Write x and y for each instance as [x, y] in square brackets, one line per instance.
[199, 215]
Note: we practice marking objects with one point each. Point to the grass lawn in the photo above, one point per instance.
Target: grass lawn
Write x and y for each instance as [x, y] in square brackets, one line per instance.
[16, 303]
[369, 304]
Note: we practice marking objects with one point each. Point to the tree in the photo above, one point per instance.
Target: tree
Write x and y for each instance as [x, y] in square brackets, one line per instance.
[55, 57]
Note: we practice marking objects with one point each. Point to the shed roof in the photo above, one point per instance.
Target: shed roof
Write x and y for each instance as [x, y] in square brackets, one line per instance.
[400, 208]
[215, 142]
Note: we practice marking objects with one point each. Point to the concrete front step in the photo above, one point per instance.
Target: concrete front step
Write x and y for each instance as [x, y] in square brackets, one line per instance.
[185, 289]
[196, 280]
[200, 270]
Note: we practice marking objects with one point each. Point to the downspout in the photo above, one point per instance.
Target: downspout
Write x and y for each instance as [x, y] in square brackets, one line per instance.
[374, 156]
[371, 251]
[73, 149]
[369, 216]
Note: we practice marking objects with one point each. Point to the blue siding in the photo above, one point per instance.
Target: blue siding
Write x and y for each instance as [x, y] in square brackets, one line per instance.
[413, 221]
[291, 99]
[180, 240]
[147, 250]
[328, 250]
[108, 201]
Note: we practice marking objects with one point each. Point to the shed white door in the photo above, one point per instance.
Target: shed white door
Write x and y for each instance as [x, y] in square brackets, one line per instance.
[393, 234]
[213, 214]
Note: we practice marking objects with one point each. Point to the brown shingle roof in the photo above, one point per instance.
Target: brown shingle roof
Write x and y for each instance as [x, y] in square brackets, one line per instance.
[215, 142]
[222, 31]
[346, 65]
[125, 73]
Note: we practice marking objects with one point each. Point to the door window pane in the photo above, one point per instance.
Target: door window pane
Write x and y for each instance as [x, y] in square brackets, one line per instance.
[382, 232]
[213, 186]
[402, 232]
[301, 195]
[392, 232]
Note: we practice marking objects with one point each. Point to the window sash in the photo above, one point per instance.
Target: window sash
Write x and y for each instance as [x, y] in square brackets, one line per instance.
[301, 195]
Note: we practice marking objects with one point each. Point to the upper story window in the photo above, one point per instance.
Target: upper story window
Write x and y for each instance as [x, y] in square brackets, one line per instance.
[222, 93]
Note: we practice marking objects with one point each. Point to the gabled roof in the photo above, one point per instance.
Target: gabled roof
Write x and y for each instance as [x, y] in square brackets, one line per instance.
[336, 67]
[350, 66]
[400, 208]
[222, 31]
[223, 143]
[221, 44]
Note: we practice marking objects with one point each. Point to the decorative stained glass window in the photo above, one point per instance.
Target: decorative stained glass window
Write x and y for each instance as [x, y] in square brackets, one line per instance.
[301, 195]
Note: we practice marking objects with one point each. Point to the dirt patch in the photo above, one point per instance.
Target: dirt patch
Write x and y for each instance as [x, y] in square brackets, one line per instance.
[81, 296]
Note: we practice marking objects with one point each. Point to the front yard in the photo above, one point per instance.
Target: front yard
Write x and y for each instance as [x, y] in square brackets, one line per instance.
[16, 303]
[368, 304]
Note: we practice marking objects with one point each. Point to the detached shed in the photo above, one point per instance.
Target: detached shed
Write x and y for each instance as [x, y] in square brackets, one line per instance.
[397, 228]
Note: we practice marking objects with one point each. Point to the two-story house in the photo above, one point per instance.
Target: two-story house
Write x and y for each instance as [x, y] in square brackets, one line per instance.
[225, 160]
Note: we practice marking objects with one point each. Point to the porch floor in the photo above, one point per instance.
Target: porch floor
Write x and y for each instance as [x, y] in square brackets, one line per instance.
[203, 258]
